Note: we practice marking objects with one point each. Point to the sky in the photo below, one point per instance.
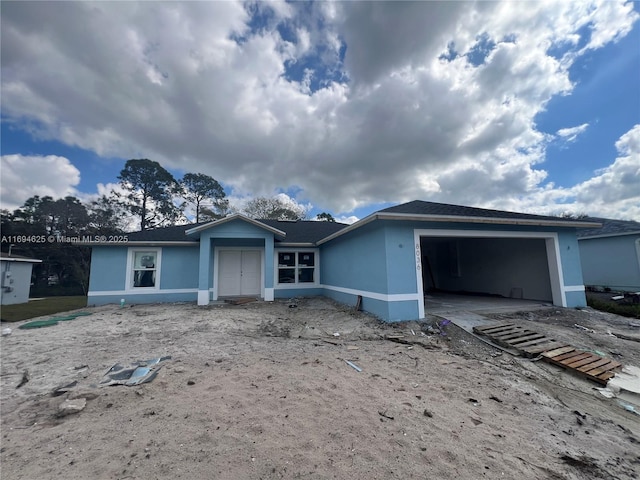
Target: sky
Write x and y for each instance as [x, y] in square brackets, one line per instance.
[344, 107]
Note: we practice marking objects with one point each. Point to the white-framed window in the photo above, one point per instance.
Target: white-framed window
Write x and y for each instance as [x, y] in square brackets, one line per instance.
[297, 267]
[143, 268]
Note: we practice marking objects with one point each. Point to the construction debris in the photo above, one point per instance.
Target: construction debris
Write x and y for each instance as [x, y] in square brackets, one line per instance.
[134, 374]
[354, 366]
[69, 407]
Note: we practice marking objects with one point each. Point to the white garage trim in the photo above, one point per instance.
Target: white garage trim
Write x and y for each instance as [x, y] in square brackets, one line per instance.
[574, 288]
[553, 257]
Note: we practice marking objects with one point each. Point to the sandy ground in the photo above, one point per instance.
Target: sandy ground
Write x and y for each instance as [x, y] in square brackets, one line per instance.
[262, 391]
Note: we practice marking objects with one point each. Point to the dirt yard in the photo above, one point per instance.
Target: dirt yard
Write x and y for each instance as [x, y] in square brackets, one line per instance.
[263, 391]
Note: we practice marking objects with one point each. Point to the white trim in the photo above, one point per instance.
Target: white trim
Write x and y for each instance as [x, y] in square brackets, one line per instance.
[438, 232]
[141, 243]
[556, 274]
[268, 294]
[552, 244]
[418, 259]
[283, 245]
[216, 262]
[129, 279]
[608, 235]
[637, 242]
[203, 297]
[296, 286]
[394, 297]
[236, 216]
[548, 222]
[574, 288]
[104, 293]
[25, 260]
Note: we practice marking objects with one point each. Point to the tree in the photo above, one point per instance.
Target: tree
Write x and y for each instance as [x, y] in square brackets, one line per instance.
[150, 193]
[325, 217]
[53, 221]
[198, 188]
[222, 209]
[274, 208]
[106, 216]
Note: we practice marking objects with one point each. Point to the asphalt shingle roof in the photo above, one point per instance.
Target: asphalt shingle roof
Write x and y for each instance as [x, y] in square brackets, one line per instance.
[297, 232]
[419, 207]
[609, 227]
[164, 234]
[305, 231]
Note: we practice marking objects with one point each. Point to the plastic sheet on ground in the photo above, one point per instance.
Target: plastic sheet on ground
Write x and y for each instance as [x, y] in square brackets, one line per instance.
[135, 373]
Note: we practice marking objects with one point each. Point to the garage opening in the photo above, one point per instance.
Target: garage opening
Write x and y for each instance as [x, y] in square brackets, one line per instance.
[518, 268]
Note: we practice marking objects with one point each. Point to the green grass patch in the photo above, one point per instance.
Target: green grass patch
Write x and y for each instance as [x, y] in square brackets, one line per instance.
[624, 309]
[39, 308]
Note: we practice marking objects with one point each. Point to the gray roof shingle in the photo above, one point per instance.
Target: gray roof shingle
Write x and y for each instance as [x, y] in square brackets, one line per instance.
[419, 207]
[302, 231]
[610, 227]
[305, 231]
[164, 234]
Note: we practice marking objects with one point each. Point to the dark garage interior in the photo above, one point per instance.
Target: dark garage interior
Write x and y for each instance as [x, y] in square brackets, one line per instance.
[505, 267]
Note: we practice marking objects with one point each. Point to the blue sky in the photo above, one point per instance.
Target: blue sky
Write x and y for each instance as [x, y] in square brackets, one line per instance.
[343, 107]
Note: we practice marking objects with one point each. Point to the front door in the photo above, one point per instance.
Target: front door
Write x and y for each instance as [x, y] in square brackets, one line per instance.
[239, 272]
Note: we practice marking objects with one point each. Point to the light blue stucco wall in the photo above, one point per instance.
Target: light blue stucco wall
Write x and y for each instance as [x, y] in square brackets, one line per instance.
[178, 276]
[379, 262]
[570, 257]
[108, 269]
[376, 262]
[129, 299]
[356, 261]
[179, 267]
[236, 233]
[400, 258]
[611, 262]
[298, 292]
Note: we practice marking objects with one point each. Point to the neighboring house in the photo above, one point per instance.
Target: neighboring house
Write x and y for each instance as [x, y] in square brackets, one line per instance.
[390, 258]
[16, 278]
[610, 255]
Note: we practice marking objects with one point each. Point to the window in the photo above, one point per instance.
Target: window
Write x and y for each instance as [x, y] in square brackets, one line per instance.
[145, 265]
[297, 267]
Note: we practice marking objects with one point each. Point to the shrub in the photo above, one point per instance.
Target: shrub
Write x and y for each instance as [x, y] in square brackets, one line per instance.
[624, 309]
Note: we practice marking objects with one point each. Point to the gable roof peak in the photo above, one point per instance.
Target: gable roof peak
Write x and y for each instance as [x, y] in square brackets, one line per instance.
[232, 217]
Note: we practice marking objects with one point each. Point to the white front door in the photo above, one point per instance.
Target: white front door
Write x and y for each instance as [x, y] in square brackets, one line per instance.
[250, 273]
[239, 272]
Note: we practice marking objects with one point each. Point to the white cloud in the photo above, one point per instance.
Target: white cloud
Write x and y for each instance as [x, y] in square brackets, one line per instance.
[190, 85]
[23, 177]
[571, 134]
[612, 192]
[346, 219]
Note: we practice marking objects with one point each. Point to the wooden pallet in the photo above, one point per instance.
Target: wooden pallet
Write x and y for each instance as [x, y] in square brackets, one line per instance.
[530, 344]
[240, 300]
[594, 367]
[526, 342]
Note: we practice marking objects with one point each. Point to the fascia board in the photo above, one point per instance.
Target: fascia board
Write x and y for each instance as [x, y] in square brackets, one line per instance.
[460, 219]
[230, 218]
